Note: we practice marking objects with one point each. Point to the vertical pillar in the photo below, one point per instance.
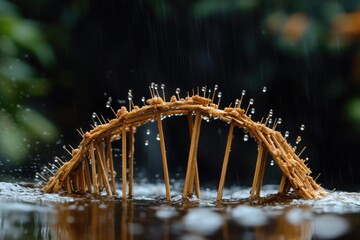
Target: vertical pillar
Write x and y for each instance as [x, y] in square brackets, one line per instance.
[163, 154]
[259, 171]
[225, 162]
[123, 140]
[111, 164]
[93, 168]
[131, 161]
[191, 167]
[197, 181]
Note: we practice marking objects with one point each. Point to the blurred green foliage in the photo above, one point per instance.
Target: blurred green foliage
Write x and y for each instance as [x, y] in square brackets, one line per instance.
[20, 125]
[307, 52]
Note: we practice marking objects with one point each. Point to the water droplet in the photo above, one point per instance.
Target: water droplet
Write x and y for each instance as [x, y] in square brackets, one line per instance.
[271, 112]
[302, 127]
[219, 95]
[251, 102]
[130, 97]
[152, 85]
[177, 91]
[252, 110]
[143, 100]
[279, 121]
[270, 121]
[108, 104]
[286, 134]
[148, 132]
[264, 89]
[163, 86]
[216, 87]
[246, 137]
[158, 137]
[94, 115]
[146, 143]
[110, 99]
[203, 89]
[243, 92]
[129, 92]
[298, 139]
[155, 86]
[272, 163]
[236, 102]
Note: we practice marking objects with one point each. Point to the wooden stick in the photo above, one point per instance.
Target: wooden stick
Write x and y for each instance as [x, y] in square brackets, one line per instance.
[163, 154]
[100, 178]
[87, 176]
[197, 181]
[261, 172]
[257, 170]
[103, 172]
[194, 172]
[93, 168]
[68, 187]
[282, 184]
[123, 139]
[131, 161]
[189, 179]
[225, 162]
[302, 151]
[82, 177]
[111, 164]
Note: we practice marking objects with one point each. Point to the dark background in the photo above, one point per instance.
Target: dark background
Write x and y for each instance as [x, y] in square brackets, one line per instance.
[306, 54]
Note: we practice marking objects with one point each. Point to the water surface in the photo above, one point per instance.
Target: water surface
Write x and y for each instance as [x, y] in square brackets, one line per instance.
[27, 213]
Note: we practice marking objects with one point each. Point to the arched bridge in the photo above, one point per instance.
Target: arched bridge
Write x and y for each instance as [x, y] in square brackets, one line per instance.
[91, 168]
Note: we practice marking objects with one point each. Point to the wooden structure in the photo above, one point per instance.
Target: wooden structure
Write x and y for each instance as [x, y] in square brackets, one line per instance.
[91, 168]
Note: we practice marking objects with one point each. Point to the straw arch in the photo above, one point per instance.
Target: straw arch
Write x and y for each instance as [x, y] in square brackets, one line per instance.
[91, 168]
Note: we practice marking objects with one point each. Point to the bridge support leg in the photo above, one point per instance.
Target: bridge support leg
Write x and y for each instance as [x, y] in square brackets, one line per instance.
[197, 181]
[82, 177]
[131, 162]
[285, 185]
[93, 168]
[191, 167]
[87, 176]
[103, 168]
[225, 162]
[259, 171]
[163, 154]
[124, 158]
[111, 164]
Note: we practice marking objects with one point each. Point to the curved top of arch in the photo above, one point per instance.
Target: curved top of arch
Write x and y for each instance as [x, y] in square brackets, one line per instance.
[293, 168]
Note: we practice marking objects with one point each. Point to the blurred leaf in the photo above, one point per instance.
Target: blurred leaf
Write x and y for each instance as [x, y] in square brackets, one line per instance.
[7, 46]
[37, 124]
[353, 111]
[19, 80]
[25, 33]
[11, 139]
[15, 69]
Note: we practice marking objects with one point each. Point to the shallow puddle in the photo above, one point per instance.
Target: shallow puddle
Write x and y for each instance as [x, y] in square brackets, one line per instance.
[27, 213]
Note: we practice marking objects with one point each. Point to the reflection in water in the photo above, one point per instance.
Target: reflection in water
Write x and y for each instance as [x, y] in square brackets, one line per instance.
[26, 213]
[85, 221]
[136, 220]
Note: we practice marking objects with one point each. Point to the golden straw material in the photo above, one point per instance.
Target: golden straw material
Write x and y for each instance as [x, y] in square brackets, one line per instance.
[91, 167]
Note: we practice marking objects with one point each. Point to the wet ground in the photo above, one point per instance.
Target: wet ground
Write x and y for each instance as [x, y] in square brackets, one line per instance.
[27, 213]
